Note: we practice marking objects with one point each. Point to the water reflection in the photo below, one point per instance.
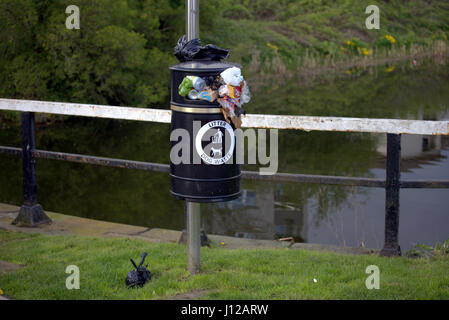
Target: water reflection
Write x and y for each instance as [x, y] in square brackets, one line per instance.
[257, 215]
[418, 147]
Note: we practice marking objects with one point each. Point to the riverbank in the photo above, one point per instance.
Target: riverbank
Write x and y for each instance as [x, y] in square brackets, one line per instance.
[72, 225]
[285, 39]
[39, 258]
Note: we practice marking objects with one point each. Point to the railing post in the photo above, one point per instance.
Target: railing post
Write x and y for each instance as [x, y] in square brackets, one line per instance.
[31, 213]
[392, 189]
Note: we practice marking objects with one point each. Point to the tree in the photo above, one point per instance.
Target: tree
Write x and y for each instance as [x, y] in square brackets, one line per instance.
[119, 56]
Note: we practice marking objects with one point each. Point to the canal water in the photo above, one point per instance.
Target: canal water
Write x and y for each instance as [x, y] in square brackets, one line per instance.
[351, 216]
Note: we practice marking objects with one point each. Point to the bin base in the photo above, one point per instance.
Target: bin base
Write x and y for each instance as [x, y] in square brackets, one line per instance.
[205, 199]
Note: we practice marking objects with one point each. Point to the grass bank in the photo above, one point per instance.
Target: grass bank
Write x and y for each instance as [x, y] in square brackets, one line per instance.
[295, 28]
[277, 39]
[226, 274]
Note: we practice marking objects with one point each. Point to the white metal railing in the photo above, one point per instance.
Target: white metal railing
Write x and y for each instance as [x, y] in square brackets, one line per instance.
[305, 123]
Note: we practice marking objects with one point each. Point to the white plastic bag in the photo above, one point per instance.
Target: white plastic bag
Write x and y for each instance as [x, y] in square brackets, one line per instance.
[232, 76]
[246, 95]
[223, 91]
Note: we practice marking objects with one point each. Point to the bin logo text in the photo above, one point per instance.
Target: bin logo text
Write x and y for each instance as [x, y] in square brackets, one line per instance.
[216, 143]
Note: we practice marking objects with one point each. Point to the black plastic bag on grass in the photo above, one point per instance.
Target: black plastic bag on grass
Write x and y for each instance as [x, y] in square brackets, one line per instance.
[140, 276]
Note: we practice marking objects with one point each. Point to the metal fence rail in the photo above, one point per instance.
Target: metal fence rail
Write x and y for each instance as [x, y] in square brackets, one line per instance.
[305, 123]
[33, 213]
[251, 175]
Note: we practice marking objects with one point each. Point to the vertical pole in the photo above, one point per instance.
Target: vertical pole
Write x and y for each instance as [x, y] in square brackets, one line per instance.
[192, 19]
[392, 188]
[193, 212]
[193, 237]
[31, 213]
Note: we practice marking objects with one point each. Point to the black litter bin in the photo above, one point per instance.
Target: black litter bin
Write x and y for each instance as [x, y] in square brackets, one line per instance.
[212, 174]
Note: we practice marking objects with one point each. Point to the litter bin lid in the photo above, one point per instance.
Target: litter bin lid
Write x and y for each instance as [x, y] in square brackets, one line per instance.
[199, 65]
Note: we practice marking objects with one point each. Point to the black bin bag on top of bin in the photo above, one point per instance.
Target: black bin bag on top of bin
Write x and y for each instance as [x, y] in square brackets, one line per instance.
[192, 50]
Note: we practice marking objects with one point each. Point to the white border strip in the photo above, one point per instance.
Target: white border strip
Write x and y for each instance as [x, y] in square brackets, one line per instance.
[251, 120]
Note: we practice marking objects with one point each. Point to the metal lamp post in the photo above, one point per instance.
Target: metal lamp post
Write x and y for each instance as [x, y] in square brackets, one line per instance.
[192, 209]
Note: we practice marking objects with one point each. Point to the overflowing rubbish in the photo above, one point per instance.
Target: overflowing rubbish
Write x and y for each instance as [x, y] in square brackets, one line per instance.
[189, 83]
[198, 83]
[233, 93]
[185, 86]
[246, 94]
[140, 276]
[193, 94]
[229, 89]
[192, 50]
[208, 95]
[232, 76]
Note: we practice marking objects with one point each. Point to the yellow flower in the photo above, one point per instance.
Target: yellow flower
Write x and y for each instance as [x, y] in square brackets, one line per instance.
[366, 52]
[390, 38]
[1, 291]
[348, 71]
[389, 69]
[222, 243]
[275, 47]
[348, 42]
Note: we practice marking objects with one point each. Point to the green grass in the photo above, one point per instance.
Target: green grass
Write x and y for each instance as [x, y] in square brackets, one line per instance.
[295, 25]
[286, 34]
[226, 274]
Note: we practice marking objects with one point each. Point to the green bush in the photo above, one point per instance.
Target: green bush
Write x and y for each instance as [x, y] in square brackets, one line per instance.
[119, 56]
